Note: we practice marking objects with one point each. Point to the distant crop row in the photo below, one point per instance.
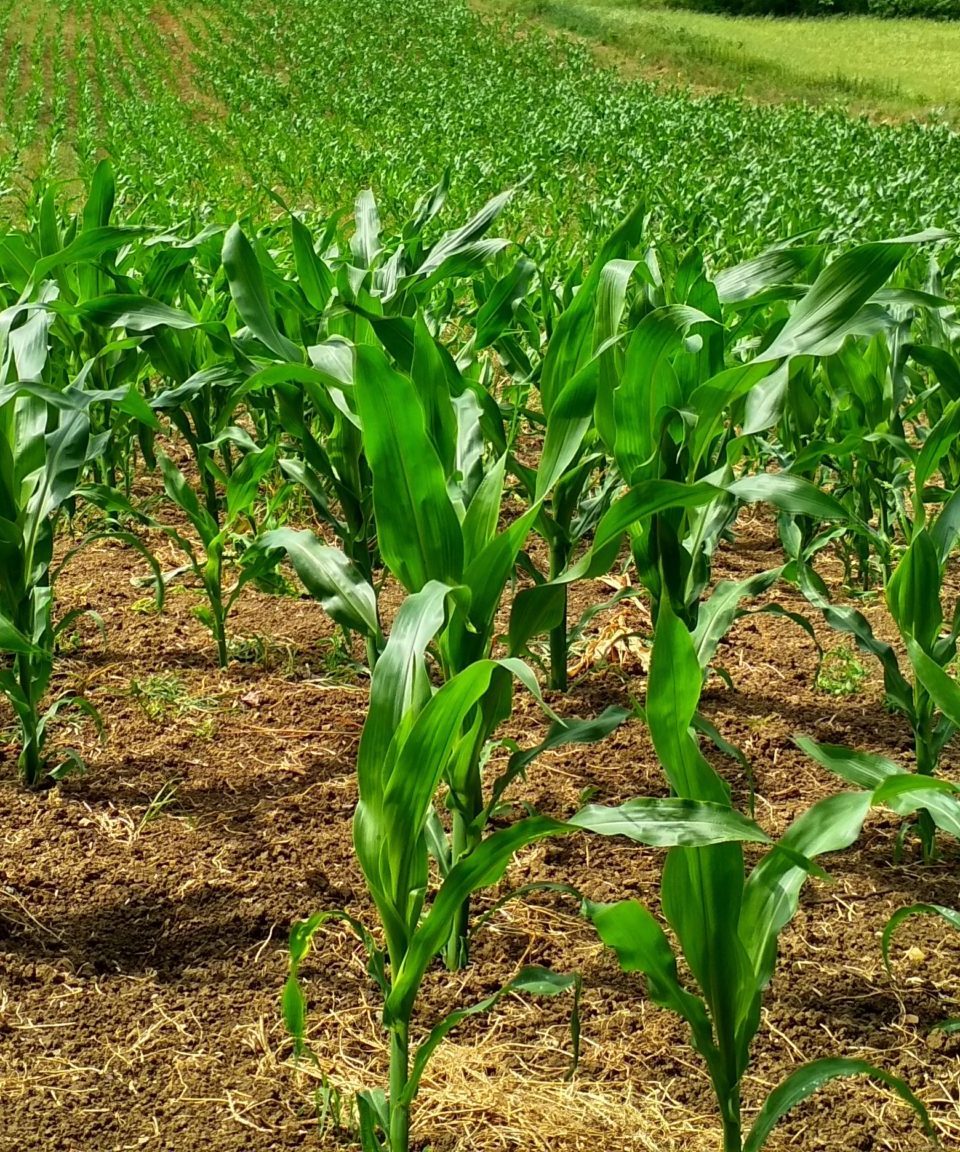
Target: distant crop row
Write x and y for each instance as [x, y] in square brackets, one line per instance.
[364, 403]
[203, 105]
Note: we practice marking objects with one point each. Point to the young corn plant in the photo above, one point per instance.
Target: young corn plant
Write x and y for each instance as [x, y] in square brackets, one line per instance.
[225, 537]
[923, 692]
[213, 383]
[46, 444]
[842, 425]
[701, 416]
[64, 263]
[575, 481]
[932, 800]
[727, 921]
[673, 416]
[413, 739]
[365, 298]
[437, 516]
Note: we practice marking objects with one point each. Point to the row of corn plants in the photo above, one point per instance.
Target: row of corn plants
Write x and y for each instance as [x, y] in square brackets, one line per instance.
[429, 406]
[204, 104]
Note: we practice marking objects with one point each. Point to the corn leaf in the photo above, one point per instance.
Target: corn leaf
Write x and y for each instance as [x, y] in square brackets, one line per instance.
[330, 577]
[950, 915]
[249, 293]
[808, 1079]
[420, 537]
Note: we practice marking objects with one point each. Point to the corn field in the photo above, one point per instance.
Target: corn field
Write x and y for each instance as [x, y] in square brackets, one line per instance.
[407, 429]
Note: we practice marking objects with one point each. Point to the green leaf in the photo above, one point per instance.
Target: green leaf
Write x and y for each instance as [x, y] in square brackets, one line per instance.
[13, 640]
[649, 384]
[944, 690]
[429, 375]
[532, 981]
[419, 533]
[667, 823]
[820, 321]
[534, 611]
[67, 449]
[482, 868]
[641, 945]
[400, 683]
[464, 240]
[330, 577]
[139, 314]
[497, 311]
[722, 607]
[940, 440]
[571, 343]
[790, 494]
[673, 694]
[806, 1080]
[561, 734]
[568, 423]
[865, 769]
[951, 915]
[913, 591]
[244, 482]
[249, 293]
[88, 246]
[314, 277]
[179, 491]
[772, 891]
[488, 574]
[855, 624]
[776, 268]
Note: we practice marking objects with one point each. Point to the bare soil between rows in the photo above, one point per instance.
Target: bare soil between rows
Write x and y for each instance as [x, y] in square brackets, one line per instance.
[144, 906]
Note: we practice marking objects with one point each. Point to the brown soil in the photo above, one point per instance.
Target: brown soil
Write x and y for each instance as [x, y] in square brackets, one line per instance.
[144, 908]
[178, 42]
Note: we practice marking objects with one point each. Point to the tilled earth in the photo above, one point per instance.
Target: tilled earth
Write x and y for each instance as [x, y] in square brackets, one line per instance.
[144, 906]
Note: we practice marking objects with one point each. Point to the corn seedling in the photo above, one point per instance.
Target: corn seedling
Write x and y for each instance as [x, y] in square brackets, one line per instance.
[45, 444]
[727, 922]
[413, 739]
[923, 692]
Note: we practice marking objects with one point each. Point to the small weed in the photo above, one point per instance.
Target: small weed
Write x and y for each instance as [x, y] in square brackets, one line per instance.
[841, 673]
[163, 799]
[333, 1112]
[146, 606]
[165, 694]
[206, 729]
[336, 663]
[247, 649]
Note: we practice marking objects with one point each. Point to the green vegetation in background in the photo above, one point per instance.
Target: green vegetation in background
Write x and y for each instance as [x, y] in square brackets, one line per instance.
[209, 117]
[925, 9]
[887, 68]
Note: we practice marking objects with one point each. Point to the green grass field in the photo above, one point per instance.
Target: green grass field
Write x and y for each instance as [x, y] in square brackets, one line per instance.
[209, 110]
[889, 68]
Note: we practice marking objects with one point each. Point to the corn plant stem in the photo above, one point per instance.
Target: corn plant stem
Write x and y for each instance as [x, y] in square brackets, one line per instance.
[218, 625]
[31, 762]
[399, 1075]
[559, 555]
[107, 462]
[456, 953]
[732, 1132]
[211, 497]
[223, 658]
[213, 585]
[926, 766]
[372, 652]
